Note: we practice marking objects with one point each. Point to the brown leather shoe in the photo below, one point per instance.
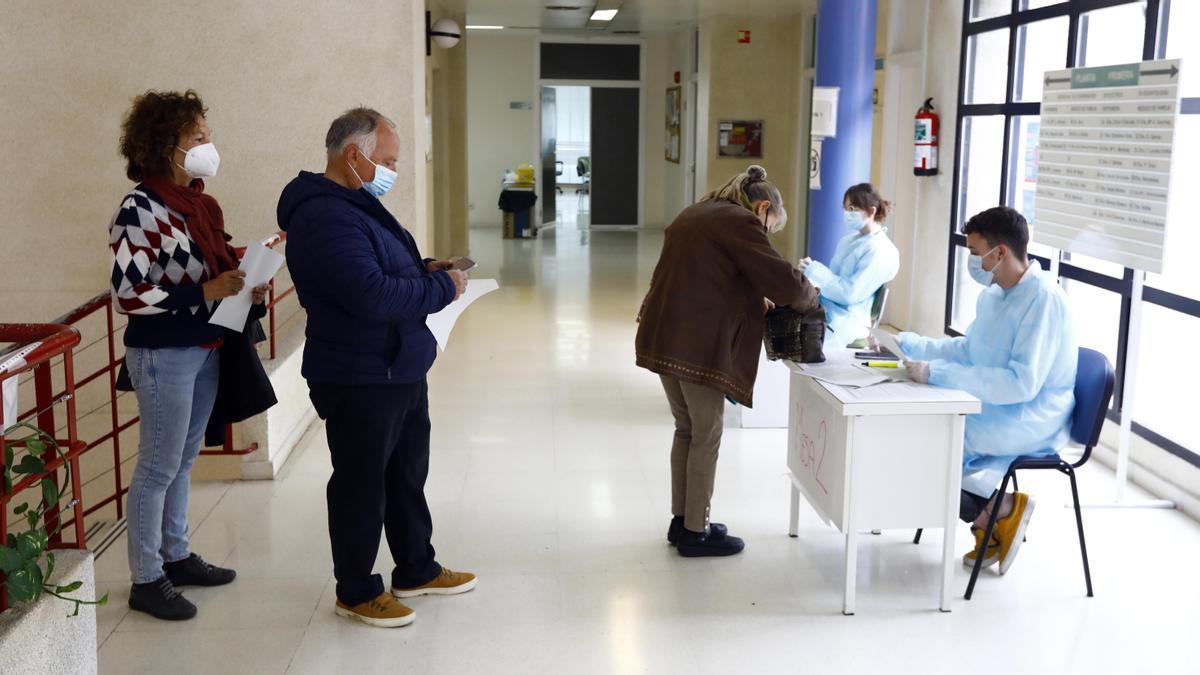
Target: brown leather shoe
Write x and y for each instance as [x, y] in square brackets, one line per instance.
[448, 582]
[383, 611]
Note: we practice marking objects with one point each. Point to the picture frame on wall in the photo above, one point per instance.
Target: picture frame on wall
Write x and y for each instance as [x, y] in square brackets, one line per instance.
[740, 138]
[674, 123]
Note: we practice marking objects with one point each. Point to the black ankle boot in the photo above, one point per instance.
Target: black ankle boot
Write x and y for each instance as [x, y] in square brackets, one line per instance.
[193, 571]
[700, 544]
[715, 530]
[161, 600]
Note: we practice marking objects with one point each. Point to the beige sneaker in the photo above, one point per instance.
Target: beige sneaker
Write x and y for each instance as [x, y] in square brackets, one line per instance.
[448, 582]
[382, 611]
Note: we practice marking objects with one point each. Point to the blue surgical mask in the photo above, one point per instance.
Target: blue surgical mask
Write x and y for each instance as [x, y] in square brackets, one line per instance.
[384, 179]
[854, 220]
[975, 269]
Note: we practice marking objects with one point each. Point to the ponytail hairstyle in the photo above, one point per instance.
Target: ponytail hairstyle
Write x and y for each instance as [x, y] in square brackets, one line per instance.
[748, 189]
[865, 197]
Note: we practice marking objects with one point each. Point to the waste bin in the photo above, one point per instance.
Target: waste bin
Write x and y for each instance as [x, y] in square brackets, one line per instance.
[517, 205]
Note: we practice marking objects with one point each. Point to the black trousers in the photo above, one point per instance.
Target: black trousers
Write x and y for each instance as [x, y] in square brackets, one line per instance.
[970, 505]
[379, 444]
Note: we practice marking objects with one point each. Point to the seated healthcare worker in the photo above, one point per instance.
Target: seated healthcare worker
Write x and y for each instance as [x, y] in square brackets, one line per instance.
[1018, 357]
[865, 260]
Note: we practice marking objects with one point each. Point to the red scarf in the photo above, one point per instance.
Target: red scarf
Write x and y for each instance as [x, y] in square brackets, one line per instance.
[205, 223]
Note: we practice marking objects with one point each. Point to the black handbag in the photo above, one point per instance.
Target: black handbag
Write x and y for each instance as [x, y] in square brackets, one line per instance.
[795, 336]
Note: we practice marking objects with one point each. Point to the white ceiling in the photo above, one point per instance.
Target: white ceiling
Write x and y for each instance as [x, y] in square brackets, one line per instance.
[637, 15]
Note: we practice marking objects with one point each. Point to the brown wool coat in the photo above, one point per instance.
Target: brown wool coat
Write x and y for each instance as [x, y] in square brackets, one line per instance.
[702, 320]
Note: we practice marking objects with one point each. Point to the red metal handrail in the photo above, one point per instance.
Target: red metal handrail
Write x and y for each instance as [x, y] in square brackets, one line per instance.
[37, 346]
[60, 342]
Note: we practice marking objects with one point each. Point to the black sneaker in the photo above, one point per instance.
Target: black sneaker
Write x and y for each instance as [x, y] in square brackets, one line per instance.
[700, 544]
[715, 530]
[193, 571]
[161, 600]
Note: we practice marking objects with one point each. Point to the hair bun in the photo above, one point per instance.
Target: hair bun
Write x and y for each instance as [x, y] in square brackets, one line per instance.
[756, 173]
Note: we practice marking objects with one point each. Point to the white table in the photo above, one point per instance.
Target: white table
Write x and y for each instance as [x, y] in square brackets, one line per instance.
[887, 456]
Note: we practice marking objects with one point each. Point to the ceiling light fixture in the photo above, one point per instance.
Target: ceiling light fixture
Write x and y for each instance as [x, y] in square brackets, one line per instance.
[604, 14]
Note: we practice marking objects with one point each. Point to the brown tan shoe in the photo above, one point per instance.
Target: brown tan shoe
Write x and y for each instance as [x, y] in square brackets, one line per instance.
[383, 611]
[448, 582]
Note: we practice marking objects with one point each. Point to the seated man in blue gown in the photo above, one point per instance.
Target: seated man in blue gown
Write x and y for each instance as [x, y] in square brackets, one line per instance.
[1018, 357]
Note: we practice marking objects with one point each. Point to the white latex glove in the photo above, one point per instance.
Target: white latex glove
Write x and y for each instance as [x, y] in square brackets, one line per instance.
[918, 371]
[803, 264]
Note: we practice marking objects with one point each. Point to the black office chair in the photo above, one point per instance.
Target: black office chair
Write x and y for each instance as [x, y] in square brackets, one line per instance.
[583, 167]
[558, 171]
[1094, 381]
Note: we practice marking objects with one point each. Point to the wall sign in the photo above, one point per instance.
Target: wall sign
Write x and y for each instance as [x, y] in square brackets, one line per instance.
[814, 164]
[743, 37]
[739, 138]
[1104, 161]
[824, 111]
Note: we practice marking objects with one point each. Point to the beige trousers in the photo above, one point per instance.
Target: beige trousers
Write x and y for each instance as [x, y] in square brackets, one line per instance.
[699, 420]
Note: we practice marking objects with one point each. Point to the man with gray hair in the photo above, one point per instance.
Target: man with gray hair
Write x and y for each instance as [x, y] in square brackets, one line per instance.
[367, 290]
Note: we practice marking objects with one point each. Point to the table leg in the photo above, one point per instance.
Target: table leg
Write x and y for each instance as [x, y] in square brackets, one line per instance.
[794, 515]
[851, 568]
[950, 519]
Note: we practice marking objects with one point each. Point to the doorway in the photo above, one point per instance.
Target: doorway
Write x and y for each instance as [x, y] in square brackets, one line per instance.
[566, 154]
[597, 165]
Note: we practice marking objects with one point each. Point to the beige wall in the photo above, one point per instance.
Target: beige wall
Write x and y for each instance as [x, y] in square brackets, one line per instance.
[666, 54]
[760, 80]
[500, 70]
[272, 74]
[446, 173]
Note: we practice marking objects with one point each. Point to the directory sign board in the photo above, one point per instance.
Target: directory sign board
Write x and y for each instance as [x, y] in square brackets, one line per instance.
[1104, 161]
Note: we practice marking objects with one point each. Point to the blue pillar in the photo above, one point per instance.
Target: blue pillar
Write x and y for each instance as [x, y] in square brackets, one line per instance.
[845, 59]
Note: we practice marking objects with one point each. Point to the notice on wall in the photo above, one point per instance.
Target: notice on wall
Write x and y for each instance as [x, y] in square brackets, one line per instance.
[1104, 161]
[824, 111]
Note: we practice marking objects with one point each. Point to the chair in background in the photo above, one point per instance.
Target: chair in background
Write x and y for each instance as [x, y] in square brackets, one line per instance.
[583, 167]
[558, 172]
[1094, 379]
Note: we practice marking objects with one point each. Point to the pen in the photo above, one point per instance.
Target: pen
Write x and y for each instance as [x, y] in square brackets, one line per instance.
[881, 364]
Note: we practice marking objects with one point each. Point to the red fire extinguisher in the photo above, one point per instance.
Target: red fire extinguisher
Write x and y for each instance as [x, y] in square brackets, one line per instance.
[925, 141]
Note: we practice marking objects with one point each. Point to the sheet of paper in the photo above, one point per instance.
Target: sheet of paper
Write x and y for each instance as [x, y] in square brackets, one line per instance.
[442, 322]
[8, 394]
[888, 341]
[260, 264]
[843, 374]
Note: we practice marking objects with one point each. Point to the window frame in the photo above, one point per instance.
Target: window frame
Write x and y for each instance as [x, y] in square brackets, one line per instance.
[1153, 47]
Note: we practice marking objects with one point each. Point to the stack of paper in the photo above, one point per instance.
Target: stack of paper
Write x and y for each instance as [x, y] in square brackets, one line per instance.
[844, 374]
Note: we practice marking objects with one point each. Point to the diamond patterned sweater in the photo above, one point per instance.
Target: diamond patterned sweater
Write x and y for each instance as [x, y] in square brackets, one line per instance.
[157, 272]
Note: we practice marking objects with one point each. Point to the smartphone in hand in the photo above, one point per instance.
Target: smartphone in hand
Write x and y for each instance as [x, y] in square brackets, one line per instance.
[463, 264]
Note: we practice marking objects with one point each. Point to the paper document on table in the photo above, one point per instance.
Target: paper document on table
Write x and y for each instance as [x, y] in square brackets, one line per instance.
[844, 374]
[443, 322]
[888, 342]
[905, 391]
[260, 264]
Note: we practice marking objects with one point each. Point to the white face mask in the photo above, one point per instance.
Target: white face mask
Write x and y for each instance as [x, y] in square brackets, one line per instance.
[975, 269]
[201, 161]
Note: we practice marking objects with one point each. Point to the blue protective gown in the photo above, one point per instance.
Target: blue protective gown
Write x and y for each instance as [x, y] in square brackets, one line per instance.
[860, 265]
[1019, 358]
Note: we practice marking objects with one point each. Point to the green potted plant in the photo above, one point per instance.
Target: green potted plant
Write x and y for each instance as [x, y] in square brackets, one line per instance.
[25, 558]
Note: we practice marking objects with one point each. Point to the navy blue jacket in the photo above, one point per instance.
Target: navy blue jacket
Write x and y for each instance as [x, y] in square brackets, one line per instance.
[361, 279]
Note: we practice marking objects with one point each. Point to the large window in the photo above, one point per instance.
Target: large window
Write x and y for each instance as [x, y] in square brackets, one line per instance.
[1007, 47]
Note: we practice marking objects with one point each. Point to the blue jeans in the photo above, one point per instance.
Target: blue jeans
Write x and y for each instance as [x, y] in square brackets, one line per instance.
[175, 390]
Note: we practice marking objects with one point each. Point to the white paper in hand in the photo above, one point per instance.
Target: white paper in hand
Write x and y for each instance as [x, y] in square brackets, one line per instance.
[442, 322]
[8, 393]
[260, 264]
[888, 342]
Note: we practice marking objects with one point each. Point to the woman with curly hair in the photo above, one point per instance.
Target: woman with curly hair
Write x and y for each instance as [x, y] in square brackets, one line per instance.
[171, 264]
